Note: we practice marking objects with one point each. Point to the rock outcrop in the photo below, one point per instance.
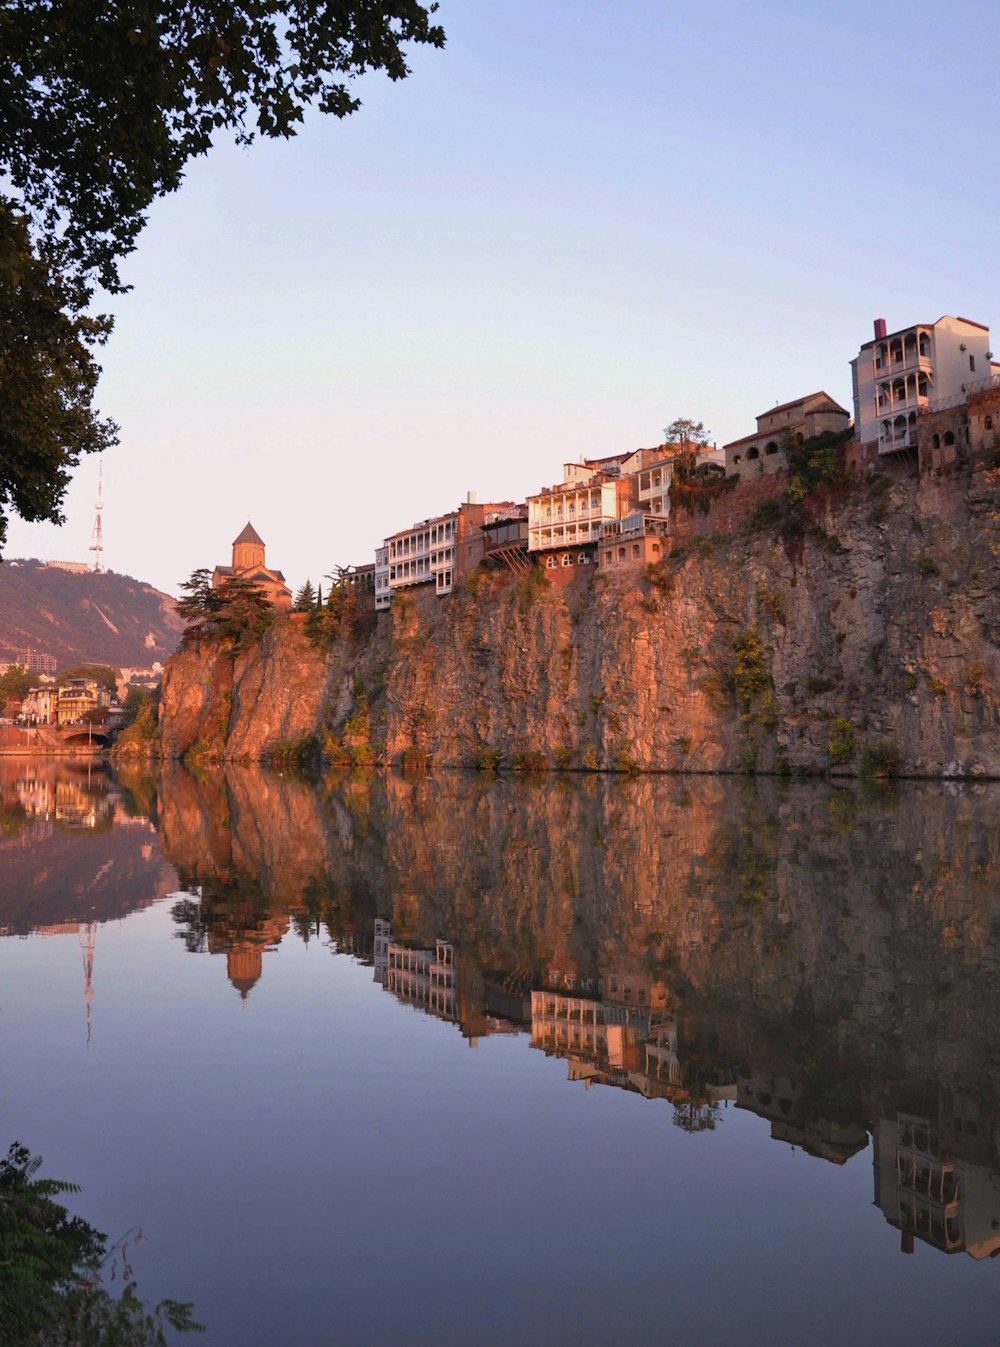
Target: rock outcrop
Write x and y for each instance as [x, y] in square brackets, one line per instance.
[870, 639]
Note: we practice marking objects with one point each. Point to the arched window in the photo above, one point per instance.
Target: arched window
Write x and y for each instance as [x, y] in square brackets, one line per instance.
[937, 441]
[567, 559]
[736, 460]
[949, 438]
[771, 448]
[607, 558]
[753, 453]
[636, 549]
[550, 563]
[925, 344]
[621, 554]
[987, 422]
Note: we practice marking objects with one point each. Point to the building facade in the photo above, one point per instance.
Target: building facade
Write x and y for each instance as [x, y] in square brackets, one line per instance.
[762, 451]
[897, 375]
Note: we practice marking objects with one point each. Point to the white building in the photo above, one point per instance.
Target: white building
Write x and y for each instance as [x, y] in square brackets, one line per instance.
[898, 373]
[424, 554]
[381, 578]
[565, 520]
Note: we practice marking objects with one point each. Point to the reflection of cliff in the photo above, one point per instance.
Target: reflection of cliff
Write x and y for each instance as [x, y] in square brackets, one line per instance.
[830, 956]
[71, 848]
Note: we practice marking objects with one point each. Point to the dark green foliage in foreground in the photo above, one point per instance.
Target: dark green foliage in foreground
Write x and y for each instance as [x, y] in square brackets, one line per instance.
[51, 1294]
[47, 342]
[101, 107]
[238, 611]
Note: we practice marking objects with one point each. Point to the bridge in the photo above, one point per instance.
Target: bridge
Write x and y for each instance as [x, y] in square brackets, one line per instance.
[52, 739]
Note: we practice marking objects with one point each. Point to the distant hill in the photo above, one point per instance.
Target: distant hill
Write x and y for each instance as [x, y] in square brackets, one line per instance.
[104, 619]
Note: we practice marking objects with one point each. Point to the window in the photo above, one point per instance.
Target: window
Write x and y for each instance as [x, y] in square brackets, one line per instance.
[636, 549]
[607, 558]
[621, 554]
[972, 363]
[550, 562]
[753, 453]
[987, 422]
[772, 448]
[949, 438]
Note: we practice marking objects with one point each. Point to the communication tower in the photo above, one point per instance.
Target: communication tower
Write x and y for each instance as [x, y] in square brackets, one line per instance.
[97, 537]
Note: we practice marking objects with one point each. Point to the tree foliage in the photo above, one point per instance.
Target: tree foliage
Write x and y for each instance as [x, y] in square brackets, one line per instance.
[238, 610]
[305, 599]
[98, 673]
[685, 433]
[47, 341]
[51, 1292]
[17, 682]
[101, 108]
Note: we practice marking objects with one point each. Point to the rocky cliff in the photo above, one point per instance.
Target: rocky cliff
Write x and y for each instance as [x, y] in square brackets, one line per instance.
[868, 639]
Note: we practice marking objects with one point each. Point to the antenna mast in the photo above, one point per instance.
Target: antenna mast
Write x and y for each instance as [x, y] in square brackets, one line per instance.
[97, 537]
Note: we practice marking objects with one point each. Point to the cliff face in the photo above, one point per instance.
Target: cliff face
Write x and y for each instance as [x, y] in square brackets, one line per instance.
[874, 638]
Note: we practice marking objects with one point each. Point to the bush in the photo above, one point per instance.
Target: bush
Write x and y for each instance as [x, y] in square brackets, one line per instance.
[530, 760]
[531, 586]
[842, 745]
[926, 565]
[880, 759]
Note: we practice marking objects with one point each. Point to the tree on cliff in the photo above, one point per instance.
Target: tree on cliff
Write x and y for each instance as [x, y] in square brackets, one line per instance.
[305, 599]
[101, 109]
[685, 433]
[238, 610]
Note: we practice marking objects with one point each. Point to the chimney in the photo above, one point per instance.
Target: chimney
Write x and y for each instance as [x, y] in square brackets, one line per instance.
[879, 329]
[470, 498]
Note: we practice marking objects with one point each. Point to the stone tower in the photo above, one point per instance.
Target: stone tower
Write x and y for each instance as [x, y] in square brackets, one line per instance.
[248, 549]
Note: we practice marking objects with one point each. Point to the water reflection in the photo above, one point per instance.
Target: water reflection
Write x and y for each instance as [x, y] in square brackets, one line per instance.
[824, 958]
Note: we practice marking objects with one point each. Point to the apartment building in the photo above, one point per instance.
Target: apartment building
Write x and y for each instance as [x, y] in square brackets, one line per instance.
[897, 375]
[436, 551]
[564, 521]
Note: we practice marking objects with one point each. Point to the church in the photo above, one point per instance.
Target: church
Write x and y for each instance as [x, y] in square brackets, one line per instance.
[248, 564]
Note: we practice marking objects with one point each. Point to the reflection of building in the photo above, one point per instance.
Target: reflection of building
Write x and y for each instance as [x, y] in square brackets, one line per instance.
[67, 801]
[424, 977]
[798, 1122]
[432, 980]
[930, 1194]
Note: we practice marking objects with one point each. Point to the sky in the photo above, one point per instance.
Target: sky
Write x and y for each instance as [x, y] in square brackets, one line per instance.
[576, 223]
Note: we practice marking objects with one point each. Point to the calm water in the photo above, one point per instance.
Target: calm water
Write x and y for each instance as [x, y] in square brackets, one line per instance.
[459, 1061]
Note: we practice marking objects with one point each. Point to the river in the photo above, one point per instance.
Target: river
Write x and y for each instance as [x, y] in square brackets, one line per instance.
[455, 1059]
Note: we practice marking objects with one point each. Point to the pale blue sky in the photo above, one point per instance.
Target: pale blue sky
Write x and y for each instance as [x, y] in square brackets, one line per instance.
[577, 222]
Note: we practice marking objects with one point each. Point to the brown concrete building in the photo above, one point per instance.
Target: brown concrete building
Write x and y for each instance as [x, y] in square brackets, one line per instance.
[761, 452]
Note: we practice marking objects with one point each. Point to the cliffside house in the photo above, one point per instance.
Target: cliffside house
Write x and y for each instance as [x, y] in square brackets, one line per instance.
[564, 520]
[436, 551]
[505, 538]
[898, 375]
[248, 564]
[762, 452]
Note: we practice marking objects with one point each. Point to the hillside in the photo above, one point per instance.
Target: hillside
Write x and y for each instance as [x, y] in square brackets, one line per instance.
[108, 619]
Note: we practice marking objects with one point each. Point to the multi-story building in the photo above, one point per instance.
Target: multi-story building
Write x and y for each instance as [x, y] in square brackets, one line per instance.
[564, 521]
[762, 451]
[437, 551]
[76, 697]
[897, 374]
[381, 578]
[637, 539]
[39, 707]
